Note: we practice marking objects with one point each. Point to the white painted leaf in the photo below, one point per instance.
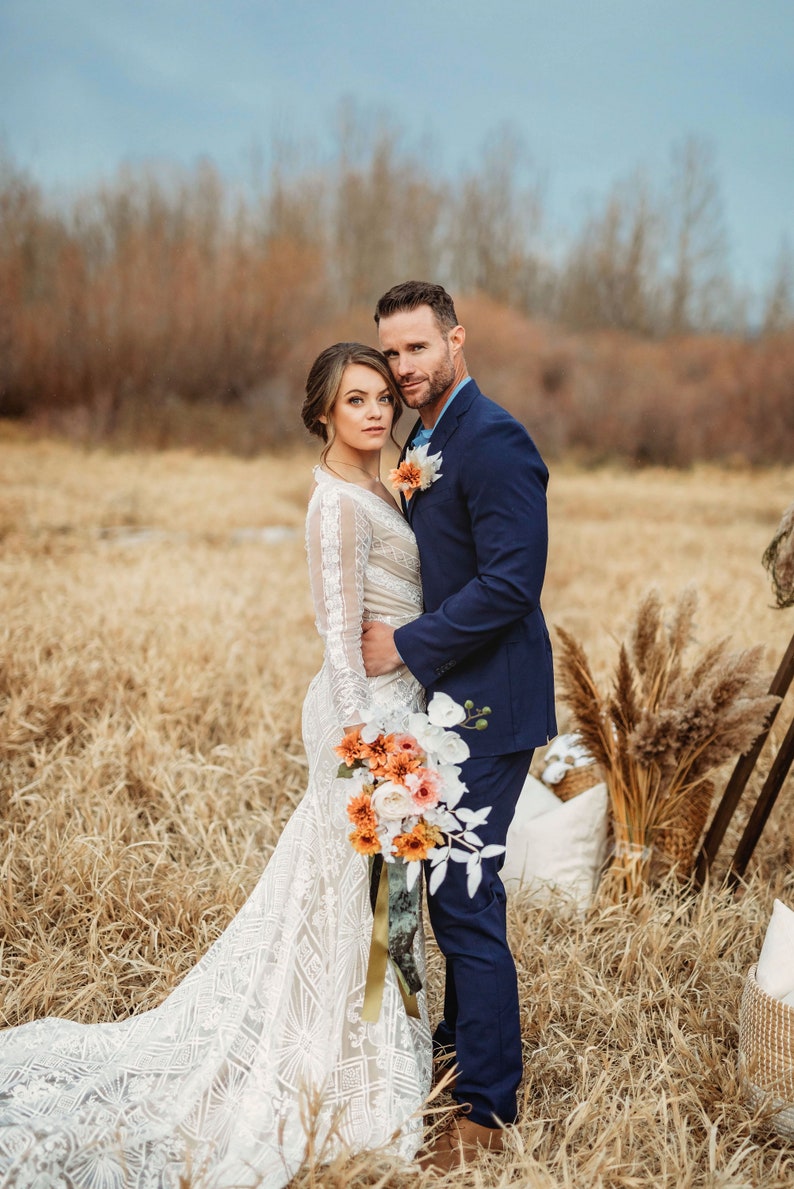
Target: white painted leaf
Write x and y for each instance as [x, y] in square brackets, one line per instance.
[436, 878]
[474, 817]
[489, 851]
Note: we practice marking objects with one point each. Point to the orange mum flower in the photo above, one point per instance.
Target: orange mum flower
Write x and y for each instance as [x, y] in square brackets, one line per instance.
[366, 842]
[407, 477]
[361, 813]
[416, 844]
[417, 471]
[378, 753]
[400, 764]
[349, 750]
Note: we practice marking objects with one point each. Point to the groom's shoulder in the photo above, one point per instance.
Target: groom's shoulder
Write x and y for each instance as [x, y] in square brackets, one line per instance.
[496, 434]
[484, 413]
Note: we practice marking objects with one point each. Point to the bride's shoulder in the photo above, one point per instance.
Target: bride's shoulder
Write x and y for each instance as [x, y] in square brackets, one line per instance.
[328, 491]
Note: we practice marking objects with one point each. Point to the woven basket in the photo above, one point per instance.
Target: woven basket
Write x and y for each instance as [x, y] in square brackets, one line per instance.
[766, 1054]
[675, 845]
[575, 781]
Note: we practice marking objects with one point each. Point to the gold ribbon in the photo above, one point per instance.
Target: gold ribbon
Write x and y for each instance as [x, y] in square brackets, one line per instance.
[379, 956]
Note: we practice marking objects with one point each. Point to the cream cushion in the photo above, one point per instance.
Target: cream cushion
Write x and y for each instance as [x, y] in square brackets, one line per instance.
[557, 845]
[775, 973]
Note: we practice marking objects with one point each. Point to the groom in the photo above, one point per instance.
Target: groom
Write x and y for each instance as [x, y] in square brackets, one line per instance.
[482, 533]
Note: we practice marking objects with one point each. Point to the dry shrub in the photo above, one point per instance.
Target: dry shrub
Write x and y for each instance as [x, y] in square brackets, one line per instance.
[165, 310]
[607, 395]
[156, 647]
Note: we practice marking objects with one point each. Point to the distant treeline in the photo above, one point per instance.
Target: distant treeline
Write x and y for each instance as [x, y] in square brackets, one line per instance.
[166, 309]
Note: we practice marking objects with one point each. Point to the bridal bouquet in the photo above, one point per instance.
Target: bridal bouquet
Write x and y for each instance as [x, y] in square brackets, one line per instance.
[404, 805]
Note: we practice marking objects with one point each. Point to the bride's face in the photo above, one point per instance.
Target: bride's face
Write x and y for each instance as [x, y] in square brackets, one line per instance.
[363, 411]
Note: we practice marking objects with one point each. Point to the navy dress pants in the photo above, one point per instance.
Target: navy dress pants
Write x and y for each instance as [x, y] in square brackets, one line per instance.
[481, 1024]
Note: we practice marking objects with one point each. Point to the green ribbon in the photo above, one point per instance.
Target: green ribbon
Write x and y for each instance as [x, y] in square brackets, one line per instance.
[395, 920]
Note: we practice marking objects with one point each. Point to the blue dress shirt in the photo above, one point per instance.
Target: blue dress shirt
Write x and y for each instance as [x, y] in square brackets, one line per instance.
[422, 436]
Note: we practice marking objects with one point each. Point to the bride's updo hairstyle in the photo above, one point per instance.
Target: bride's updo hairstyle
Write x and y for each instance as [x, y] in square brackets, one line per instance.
[325, 379]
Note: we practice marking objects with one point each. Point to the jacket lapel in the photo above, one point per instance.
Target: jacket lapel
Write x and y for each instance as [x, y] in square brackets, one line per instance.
[406, 504]
[439, 438]
[449, 424]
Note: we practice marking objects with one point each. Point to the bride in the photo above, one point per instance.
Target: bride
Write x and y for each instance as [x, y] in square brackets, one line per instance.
[263, 1041]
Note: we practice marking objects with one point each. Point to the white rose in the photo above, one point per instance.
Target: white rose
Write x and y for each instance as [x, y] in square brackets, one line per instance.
[451, 749]
[444, 711]
[392, 802]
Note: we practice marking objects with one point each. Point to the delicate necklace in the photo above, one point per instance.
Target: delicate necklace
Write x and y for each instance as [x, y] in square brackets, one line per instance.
[364, 471]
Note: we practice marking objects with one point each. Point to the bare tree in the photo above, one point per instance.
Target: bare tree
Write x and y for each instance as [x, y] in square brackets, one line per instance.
[495, 223]
[611, 277]
[387, 210]
[778, 306]
[699, 284]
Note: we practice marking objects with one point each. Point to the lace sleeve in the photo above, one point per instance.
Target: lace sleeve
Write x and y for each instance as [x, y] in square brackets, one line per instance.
[338, 537]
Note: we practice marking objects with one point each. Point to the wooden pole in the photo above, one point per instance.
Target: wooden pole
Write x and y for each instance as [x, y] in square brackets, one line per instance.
[763, 807]
[741, 774]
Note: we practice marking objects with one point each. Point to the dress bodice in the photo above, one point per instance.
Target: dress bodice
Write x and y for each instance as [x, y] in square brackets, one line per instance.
[363, 564]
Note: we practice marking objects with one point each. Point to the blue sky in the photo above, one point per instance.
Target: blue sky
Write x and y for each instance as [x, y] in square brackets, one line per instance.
[593, 89]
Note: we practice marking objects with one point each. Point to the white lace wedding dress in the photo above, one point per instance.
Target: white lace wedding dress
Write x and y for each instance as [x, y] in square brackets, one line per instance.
[215, 1085]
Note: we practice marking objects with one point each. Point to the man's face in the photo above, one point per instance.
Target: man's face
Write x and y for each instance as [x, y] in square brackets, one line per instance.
[425, 361]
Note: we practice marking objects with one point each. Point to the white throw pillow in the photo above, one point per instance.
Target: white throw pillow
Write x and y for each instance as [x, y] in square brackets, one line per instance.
[554, 844]
[775, 973]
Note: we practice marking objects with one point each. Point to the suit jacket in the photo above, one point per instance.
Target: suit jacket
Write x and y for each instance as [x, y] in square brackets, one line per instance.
[482, 533]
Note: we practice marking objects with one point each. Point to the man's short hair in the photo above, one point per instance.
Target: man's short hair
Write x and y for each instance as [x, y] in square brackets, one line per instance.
[410, 295]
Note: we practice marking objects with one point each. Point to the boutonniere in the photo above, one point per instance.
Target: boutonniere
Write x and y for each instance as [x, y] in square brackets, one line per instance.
[417, 471]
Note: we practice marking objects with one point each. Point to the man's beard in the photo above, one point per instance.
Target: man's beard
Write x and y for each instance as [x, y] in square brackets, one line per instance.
[438, 382]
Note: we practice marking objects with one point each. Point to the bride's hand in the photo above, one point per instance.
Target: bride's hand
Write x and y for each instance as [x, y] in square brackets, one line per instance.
[377, 648]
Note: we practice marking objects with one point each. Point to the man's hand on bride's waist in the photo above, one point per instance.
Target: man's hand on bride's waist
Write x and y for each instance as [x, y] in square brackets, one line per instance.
[377, 648]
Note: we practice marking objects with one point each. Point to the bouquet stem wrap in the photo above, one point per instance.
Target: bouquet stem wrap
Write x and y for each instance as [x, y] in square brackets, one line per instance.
[395, 910]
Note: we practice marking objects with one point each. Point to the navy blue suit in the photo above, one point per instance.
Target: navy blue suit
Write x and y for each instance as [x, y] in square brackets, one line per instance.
[482, 534]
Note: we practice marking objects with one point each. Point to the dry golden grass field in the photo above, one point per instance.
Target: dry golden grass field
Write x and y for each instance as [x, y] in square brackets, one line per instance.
[157, 638]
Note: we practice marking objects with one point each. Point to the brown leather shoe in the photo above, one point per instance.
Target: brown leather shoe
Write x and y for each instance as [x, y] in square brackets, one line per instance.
[460, 1143]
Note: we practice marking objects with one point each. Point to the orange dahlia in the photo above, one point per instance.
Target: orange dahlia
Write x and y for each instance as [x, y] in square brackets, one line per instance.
[366, 842]
[349, 750]
[407, 478]
[418, 842]
[378, 752]
[361, 813]
[400, 764]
